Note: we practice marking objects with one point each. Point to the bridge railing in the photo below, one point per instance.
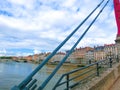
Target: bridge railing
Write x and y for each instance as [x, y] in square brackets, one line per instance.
[84, 74]
[29, 81]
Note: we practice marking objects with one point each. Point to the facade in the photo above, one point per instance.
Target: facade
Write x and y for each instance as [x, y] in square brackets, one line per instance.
[99, 53]
[14, 58]
[110, 49]
[58, 57]
[29, 58]
[89, 56]
[79, 55]
[36, 57]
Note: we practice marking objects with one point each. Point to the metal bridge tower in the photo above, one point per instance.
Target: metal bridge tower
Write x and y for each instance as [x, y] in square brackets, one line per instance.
[117, 16]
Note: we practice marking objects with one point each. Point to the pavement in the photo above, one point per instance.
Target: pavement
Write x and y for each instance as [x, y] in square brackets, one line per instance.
[116, 85]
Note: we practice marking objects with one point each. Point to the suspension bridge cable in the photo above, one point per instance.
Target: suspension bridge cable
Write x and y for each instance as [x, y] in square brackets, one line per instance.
[72, 49]
[29, 78]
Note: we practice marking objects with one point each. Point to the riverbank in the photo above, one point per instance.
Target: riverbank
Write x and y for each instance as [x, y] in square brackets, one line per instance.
[51, 64]
[5, 60]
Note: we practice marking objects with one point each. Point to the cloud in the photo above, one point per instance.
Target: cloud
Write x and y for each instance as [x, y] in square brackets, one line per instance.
[41, 25]
[3, 52]
[36, 51]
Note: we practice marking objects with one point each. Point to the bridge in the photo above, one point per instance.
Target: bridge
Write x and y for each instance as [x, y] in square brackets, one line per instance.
[116, 86]
[98, 71]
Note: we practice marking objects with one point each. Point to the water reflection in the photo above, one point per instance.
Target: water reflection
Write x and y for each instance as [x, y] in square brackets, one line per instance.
[12, 73]
[1, 68]
[48, 69]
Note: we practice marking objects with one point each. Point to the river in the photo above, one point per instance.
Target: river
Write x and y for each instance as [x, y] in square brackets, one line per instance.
[12, 73]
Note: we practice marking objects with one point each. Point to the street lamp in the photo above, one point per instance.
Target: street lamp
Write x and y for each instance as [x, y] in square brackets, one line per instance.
[110, 59]
[117, 58]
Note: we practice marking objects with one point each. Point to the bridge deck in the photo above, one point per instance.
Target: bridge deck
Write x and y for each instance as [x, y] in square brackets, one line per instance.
[116, 85]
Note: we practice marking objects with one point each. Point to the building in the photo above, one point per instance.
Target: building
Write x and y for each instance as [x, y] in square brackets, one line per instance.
[36, 57]
[99, 53]
[58, 57]
[89, 56]
[40, 57]
[14, 58]
[104, 52]
[79, 55]
[110, 49]
[28, 58]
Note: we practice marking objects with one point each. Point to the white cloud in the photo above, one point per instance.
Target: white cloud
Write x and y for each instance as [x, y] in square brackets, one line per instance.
[26, 3]
[37, 51]
[3, 52]
[22, 54]
[43, 24]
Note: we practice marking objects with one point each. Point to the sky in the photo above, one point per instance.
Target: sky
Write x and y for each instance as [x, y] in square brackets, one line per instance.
[29, 27]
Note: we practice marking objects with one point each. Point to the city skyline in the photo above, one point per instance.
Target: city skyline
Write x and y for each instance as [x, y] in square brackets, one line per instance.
[39, 26]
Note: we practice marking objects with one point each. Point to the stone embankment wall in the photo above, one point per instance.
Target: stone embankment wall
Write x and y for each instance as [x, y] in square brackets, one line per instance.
[106, 80]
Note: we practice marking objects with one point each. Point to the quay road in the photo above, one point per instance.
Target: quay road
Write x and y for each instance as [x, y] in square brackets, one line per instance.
[116, 85]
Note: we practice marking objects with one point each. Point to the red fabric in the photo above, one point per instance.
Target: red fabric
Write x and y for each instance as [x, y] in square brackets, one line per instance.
[117, 14]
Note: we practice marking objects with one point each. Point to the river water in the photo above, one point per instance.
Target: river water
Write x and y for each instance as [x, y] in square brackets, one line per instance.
[12, 73]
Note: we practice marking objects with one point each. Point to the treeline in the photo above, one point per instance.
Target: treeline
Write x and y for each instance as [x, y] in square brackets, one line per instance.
[3, 57]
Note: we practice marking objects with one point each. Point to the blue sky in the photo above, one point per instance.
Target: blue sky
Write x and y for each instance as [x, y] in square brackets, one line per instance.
[34, 26]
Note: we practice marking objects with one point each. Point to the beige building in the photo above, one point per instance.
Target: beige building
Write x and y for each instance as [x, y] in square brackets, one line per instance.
[89, 56]
[28, 58]
[110, 49]
[57, 57]
[82, 55]
[79, 55]
[104, 52]
[99, 53]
